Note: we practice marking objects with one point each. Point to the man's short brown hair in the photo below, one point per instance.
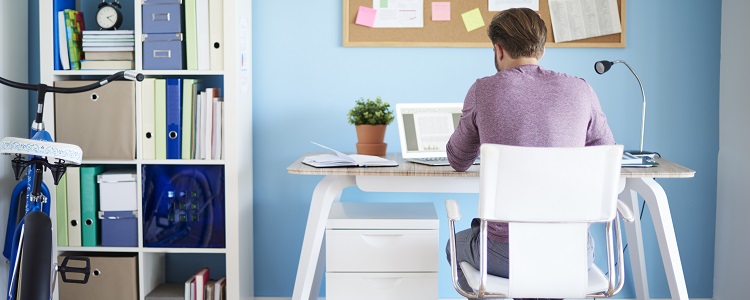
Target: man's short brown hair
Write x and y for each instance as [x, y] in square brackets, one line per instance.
[520, 31]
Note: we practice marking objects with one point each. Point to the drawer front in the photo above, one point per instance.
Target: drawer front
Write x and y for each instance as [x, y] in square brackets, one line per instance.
[380, 286]
[382, 250]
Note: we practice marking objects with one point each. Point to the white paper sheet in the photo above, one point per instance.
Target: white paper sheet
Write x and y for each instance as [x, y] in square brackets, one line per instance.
[580, 19]
[399, 13]
[498, 5]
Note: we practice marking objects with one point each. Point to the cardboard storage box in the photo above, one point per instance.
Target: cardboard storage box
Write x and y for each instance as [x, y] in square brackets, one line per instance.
[162, 51]
[113, 277]
[117, 190]
[101, 122]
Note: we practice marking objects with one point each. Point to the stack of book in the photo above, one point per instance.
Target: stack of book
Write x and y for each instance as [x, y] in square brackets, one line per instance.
[69, 26]
[108, 49]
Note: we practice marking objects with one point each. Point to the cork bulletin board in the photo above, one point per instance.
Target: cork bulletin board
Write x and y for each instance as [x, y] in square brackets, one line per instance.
[453, 33]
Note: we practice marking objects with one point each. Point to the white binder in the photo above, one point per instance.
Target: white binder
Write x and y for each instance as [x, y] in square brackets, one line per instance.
[203, 38]
[216, 34]
[74, 206]
[147, 119]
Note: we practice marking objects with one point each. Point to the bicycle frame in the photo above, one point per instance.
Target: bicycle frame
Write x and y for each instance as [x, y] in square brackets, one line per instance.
[37, 194]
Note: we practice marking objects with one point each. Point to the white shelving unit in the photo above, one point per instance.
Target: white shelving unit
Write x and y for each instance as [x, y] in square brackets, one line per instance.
[237, 91]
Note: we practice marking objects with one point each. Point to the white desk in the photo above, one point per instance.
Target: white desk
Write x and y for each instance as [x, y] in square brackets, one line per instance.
[410, 177]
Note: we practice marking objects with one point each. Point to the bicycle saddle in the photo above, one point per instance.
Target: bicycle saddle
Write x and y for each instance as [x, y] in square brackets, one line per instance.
[67, 152]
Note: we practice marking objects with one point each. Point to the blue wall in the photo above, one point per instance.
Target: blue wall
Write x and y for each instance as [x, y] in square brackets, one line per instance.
[305, 81]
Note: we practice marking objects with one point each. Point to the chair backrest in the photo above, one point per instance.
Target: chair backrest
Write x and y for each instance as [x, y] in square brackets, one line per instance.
[549, 196]
[547, 184]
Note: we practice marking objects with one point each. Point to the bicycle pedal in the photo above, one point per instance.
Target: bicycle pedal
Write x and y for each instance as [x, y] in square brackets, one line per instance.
[64, 269]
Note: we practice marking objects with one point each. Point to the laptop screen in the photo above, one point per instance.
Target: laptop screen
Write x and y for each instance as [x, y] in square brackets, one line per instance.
[424, 128]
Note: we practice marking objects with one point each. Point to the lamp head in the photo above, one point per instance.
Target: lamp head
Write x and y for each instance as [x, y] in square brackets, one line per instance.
[602, 66]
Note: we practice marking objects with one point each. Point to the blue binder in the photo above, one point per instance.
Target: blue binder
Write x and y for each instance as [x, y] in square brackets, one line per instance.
[174, 115]
[58, 5]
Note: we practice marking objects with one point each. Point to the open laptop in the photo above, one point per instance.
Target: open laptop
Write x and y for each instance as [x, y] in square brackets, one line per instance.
[424, 129]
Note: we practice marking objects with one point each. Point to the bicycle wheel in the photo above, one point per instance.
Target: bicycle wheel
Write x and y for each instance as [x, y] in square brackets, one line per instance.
[36, 257]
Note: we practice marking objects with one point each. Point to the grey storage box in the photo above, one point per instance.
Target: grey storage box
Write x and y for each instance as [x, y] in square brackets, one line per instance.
[163, 16]
[101, 122]
[162, 51]
[119, 228]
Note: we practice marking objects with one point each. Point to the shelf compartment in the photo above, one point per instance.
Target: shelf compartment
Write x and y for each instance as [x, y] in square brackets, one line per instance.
[183, 206]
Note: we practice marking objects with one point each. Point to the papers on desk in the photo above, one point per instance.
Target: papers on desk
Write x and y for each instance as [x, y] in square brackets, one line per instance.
[339, 159]
[629, 160]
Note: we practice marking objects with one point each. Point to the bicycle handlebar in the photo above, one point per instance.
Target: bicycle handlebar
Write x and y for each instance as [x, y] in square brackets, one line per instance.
[129, 75]
[42, 90]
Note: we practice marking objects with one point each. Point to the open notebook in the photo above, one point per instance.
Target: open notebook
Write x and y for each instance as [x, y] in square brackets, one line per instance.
[338, 159]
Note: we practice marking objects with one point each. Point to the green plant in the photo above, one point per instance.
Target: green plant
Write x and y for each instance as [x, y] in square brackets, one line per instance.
[369, 112]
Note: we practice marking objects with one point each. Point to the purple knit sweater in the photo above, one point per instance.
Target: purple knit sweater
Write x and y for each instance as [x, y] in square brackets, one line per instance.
[527, 106]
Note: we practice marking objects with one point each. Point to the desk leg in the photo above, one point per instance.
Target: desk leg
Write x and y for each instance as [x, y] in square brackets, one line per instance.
[635, 246]
[656, 199]
[312, 260]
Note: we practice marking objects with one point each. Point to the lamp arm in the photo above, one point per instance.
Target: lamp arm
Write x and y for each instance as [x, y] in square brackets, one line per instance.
[643, 93]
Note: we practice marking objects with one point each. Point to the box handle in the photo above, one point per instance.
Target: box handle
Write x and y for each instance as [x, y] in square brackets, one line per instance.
[161, 17]
[162, 53]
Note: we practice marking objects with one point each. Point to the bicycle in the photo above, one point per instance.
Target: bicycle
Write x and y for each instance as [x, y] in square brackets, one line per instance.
[29, 233]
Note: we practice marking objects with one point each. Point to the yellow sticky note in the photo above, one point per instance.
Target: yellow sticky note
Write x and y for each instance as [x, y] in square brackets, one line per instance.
[473, 19]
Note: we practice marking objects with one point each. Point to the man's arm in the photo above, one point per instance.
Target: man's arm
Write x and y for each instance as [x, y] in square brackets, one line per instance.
[598, 132]
[463, 146]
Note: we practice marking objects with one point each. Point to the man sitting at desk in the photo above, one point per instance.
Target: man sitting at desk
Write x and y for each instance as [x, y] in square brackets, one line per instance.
[523, 104]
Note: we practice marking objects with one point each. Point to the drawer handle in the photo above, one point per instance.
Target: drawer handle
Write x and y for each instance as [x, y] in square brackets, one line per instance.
[381, 240]
[385, 282]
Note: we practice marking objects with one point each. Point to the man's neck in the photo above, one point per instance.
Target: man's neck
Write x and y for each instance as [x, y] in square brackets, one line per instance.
[515, 62]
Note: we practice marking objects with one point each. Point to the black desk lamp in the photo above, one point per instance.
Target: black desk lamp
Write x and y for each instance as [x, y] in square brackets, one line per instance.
[602, 67]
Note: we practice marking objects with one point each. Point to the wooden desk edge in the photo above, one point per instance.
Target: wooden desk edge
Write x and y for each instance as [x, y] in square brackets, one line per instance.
[666, 169]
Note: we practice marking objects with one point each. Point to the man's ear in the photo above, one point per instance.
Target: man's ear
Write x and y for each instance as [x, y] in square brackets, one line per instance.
[498, 51]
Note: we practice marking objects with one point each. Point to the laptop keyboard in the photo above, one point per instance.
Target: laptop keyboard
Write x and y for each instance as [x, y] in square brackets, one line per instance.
[432, 159]
[436, 161]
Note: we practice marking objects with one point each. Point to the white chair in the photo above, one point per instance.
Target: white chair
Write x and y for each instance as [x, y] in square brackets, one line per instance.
[549, 197]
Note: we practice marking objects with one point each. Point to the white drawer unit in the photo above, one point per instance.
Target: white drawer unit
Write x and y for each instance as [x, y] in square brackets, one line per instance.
[380, 250]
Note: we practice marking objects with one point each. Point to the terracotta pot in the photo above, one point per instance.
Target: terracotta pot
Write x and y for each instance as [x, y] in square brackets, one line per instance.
[370, 139]
[372, 149]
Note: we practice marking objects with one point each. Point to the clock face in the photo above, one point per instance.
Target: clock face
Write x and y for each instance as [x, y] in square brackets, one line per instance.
[107, 17]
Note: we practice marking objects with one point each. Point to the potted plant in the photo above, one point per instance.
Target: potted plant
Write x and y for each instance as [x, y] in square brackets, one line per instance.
[370, 118]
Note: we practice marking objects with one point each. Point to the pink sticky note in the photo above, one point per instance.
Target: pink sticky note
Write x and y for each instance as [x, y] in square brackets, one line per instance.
[441, 11]
[366, 16]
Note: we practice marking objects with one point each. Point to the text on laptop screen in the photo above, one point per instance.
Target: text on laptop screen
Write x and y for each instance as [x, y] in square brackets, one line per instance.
[427, 129]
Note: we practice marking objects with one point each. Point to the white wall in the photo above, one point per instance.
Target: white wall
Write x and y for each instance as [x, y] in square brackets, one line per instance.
[733, 203]
[13, 103]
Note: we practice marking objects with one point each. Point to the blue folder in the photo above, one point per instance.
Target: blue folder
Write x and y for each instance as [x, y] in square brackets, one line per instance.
[174, 115]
